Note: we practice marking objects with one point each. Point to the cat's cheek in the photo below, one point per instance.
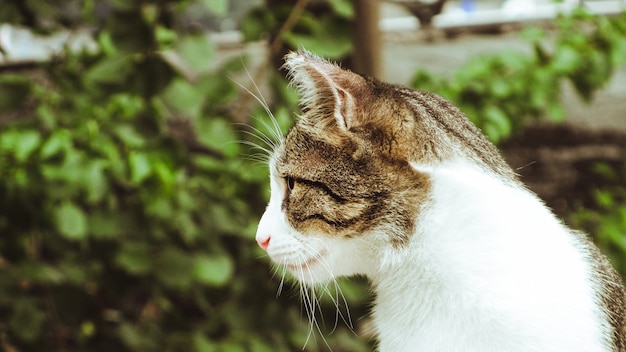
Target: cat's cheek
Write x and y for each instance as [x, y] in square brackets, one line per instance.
[305, 257]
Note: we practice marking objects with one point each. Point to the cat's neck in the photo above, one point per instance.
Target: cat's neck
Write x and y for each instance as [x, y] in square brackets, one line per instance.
[479, 244]
[466, 210]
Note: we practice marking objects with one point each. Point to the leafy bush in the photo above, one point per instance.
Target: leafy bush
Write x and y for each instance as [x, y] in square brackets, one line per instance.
[127, 210]
[606, 220]
[322, 27]
[502, 92]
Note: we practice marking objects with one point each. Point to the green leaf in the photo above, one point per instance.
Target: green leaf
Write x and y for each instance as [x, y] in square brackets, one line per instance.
[149, 13]
[136, 338]
[140, 168]
[27, 319]
[105, 225]
[606, 171]
[174, 268]
[257, 23]
[127, 106]
[218, 134]
[58, 141]
[258, 345]
[94, 181]
[71, 171]
[231, 346]
[26, 143]
[160, 207]
[71, 221]
[566, 60]
[47, 116]
[216, 89]
[105, 43]
[87, 329]
[604, 198]
[330, 46]
[202, 344]
[618, 55]
[187, 228]
[222, 219]
[129, 136]
[556, 111]
[183, 98]
[135, 258]
[112, 69]
[197, 51]
[499, 120]
[74, 272]
[343, 8]
[40, 273]
[500, 88]
[214, 270]
[216, 7]
[532, 34]
[165, 37]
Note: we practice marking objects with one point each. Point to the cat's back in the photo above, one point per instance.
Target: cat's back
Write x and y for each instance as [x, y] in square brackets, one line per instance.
[510, 248]
[609, 290]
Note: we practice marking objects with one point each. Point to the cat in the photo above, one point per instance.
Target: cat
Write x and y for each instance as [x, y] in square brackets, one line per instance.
[398, 185]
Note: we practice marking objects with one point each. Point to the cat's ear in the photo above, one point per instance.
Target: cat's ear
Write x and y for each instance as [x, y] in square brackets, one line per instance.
[325, 88]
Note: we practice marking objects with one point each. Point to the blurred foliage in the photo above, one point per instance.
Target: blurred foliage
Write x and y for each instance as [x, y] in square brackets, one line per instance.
[606, 220]
[127, 211]
[322, 27]
[501, 93]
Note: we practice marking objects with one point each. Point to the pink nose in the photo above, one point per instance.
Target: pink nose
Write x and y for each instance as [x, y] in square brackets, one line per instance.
[263, 242]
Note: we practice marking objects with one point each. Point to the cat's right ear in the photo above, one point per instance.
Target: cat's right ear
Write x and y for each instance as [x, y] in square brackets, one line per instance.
[325, 89]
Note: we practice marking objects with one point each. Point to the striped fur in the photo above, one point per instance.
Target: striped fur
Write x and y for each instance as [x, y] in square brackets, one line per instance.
[398, 185]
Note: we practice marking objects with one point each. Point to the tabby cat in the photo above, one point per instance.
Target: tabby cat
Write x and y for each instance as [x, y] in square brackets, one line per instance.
[398, 185]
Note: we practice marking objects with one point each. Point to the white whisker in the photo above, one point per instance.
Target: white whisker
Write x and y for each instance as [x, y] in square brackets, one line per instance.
[275, 131]
[264, 150]
[282, 283]
[347, 319]
[265, 142]
[271, 143]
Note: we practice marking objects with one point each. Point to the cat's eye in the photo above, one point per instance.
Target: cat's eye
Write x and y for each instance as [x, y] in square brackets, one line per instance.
[291, 182]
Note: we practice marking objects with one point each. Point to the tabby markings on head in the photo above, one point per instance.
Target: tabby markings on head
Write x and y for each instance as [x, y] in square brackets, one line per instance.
[372, 171]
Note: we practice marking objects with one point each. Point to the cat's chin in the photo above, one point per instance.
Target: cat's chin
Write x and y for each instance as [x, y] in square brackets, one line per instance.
[315, 269]
[307, 264]
[312, 277]
[319, 260]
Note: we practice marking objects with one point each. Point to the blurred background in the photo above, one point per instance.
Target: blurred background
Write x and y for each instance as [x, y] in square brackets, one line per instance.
[129, 194]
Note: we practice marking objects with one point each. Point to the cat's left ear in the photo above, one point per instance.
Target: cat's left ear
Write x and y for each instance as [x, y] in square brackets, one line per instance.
[325, 88]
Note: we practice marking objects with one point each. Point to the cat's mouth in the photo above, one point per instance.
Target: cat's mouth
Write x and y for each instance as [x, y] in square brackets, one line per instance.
[307, 264]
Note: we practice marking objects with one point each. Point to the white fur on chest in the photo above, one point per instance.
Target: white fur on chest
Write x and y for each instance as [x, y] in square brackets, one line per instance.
[488, 269]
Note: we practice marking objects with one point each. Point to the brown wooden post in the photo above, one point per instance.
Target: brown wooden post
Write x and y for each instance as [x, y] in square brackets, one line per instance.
[367, 56]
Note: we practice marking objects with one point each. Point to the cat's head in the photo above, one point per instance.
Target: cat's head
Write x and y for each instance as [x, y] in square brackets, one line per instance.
[343, 186]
